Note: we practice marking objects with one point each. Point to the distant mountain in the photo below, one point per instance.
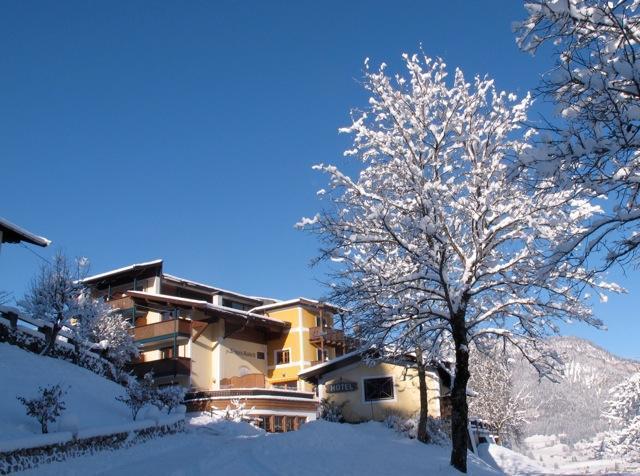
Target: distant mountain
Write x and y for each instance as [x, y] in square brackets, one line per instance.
[574, 406]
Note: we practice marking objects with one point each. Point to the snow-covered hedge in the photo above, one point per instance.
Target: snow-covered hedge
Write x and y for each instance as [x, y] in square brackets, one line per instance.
[24, 453]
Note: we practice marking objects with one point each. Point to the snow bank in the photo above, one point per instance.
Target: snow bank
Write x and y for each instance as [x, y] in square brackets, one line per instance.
[508, 461]
[90, 398]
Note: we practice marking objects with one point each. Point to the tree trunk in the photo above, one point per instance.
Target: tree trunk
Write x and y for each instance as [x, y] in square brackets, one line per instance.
[459, 410]
[423, 433]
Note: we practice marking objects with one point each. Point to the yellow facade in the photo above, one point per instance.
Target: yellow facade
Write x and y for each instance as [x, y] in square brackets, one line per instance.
[302, 353]
[216, 357]
[406, 401]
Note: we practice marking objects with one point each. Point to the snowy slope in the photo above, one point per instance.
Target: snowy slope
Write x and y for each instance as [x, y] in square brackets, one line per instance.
[318, 448]
[90, 399]
[573, 407]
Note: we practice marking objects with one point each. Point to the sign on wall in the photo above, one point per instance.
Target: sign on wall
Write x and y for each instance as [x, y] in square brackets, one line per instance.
[341, 386]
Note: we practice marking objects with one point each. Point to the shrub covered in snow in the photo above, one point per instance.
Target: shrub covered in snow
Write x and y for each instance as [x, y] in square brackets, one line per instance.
[138, 394]
[331, 411]
[47, 406]
[437, 429]
[169, 398]
[237, 412]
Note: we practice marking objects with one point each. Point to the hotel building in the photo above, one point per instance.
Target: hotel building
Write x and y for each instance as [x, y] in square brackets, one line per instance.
[224, 345]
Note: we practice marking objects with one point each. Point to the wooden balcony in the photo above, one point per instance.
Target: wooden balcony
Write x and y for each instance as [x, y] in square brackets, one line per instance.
[163, 367]
[122, 303]
[246, 381]
[327, 336]
[163, 329]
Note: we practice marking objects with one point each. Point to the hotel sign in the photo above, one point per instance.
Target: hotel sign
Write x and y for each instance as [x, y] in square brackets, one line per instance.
[341, 386]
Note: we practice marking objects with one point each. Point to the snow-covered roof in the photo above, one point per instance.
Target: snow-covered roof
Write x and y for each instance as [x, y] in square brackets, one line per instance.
[213, 289]
[299, 301]
[313, 373]
[207, 306]
[125, 269]
[12, 233]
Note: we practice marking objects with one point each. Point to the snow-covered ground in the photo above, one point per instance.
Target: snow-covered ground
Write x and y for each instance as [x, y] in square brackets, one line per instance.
[238, 449]
[550, 452]
[90, 399]
[223, 448]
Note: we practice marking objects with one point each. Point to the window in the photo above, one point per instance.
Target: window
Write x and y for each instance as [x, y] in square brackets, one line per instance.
[323, 355]
[290, 385]
[378, 389]
[139, 284]
[260, 355]
[282, 357]
[289, 423]
[236, 305]
[278, 424]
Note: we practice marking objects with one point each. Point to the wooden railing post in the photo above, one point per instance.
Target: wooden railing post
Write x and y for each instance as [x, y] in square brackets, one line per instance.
[12, 317]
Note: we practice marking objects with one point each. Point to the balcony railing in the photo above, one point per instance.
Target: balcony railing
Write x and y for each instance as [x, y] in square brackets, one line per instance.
[121, 303]
[246, 381]
[170, 328]
[163, 367]
[258, 392]
[329, 335]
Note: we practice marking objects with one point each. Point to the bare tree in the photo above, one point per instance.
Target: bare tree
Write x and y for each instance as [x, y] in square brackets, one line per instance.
[440, 211]
[47, 406]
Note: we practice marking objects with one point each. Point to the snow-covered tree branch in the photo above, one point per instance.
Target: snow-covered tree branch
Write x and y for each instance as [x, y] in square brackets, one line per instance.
[58, 297]
[595, 84]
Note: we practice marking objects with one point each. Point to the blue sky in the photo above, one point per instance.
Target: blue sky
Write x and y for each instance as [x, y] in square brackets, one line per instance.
[187, 130]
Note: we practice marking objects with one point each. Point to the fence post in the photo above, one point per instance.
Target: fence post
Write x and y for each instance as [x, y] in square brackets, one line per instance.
[12, 317]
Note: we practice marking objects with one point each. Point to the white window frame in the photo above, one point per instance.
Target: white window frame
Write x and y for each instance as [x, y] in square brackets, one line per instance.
[383, 400]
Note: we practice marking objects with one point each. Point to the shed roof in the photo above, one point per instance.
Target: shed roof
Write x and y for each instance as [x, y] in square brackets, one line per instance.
[12, 233]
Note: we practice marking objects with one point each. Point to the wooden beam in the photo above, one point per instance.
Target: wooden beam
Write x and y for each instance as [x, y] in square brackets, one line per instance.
[200, 327]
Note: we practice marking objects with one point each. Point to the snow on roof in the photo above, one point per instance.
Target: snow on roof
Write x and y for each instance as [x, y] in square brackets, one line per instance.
[20, 234]
[204, 305]
[171, 277]
[122, 270]
[300, 300]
